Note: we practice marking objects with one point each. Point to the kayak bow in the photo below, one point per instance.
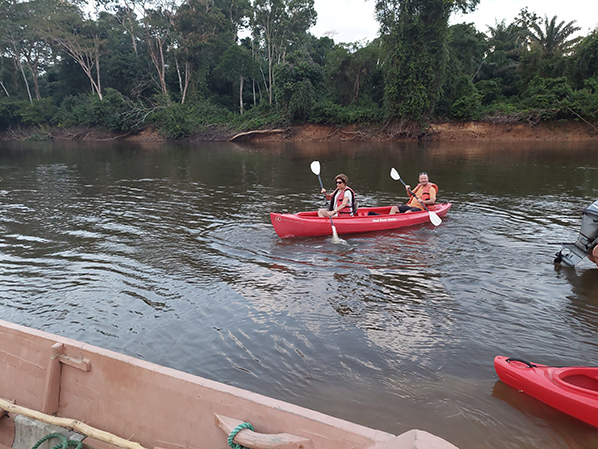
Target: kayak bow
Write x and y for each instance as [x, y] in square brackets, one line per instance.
[572, 390]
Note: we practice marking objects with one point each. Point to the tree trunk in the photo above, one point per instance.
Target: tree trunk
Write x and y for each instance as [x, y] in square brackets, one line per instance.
[96, 43]
[254, 93]
[4, 88]
[157, 56]
[241, 93]
[17, 59]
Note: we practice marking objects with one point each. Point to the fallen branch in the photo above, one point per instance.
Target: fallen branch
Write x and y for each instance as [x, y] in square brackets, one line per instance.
[257, 131]
[74, 424]
[593, 127]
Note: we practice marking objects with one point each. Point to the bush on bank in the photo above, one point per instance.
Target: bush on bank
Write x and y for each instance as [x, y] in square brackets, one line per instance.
[544, 99]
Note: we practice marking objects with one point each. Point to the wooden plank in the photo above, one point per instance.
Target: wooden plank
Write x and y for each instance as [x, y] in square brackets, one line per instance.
[74, 424]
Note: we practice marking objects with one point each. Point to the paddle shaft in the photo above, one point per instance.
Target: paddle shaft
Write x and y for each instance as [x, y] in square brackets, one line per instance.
[331, 222]
[322, 186]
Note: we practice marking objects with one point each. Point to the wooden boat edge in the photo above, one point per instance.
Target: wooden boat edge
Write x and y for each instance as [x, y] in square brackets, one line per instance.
[36, 352]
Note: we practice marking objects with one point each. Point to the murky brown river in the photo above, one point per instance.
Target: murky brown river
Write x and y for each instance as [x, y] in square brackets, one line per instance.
[165, 252]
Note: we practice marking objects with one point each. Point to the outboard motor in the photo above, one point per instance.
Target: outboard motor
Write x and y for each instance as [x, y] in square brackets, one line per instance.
[572, 253]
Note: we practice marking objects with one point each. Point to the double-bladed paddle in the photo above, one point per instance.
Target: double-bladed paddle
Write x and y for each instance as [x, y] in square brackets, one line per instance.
[315, 168]
[434, 218]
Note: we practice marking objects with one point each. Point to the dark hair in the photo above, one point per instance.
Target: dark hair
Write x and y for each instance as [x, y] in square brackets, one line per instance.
[342, 177]
[423, 173]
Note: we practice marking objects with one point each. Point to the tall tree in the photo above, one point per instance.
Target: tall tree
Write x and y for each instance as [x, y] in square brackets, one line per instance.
[550, 43]
[205, 30]
[236, 65]
[584, 61]
[415, 34]
[13, 23]
[278, 24]
[553, 38]
[80, 37]
[159, 23]
[348, 67]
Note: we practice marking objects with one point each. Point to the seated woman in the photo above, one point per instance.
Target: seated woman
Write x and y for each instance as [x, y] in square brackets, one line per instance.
[425, 192]
[342, 200]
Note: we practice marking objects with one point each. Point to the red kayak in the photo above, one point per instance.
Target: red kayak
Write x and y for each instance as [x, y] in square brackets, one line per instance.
[573, 389]
[308, 224]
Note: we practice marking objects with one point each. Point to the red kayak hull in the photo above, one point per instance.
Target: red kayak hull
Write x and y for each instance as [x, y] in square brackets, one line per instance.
[308, 224]
[572, 390]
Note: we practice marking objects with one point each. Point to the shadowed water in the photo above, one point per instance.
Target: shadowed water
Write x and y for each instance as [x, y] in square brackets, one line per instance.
[165, 252]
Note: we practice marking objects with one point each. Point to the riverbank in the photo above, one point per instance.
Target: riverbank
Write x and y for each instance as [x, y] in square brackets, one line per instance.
[549, 131]
[445, 131]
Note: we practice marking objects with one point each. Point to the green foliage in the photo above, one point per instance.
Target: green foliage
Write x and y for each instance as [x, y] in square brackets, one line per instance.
[466, 48]
[114, 112]
[584, 102]
[416, 57]
[502, 58]
[584, 62]
[9, 115]
[302, 101]
[353, 73]
[547, 93]
[296, 88]
[260, 117]
[549, 47]
[467, 105]
[460, 98]
[329, 113]
[17, 112]
[506, 108]
[37, 112]
[491, 91]
[179, 121]
[279, 74]
[553, 39]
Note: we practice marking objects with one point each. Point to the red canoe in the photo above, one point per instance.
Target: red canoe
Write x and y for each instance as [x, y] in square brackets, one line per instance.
[308, 224]
[573, 390]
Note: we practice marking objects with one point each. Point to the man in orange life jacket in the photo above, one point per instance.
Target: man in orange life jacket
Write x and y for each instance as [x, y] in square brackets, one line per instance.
[426, 192]
[341, 200]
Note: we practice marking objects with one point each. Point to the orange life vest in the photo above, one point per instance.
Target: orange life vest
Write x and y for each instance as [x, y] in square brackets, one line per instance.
[425, 194]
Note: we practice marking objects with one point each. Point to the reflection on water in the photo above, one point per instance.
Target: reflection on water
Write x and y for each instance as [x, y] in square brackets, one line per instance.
[165, 252]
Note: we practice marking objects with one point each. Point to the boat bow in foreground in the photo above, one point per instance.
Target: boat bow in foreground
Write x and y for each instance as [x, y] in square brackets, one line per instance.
[120, 401]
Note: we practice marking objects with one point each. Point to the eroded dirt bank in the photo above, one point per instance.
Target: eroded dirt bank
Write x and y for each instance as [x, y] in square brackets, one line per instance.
[557, 131]
[544, 131]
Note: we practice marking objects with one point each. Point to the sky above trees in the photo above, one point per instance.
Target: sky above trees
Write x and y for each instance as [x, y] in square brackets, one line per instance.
[355, 19]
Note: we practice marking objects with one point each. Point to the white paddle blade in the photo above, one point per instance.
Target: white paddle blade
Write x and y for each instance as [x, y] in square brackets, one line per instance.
[394, 174]
[315, 167]
[435, 219]
[335, 237]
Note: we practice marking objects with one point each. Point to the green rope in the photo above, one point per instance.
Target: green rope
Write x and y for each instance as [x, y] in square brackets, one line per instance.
[64, 442]
[234, 433]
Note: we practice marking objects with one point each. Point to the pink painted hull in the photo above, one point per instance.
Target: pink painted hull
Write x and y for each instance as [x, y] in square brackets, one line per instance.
[159, 407]
[573, 390]
[308, 224]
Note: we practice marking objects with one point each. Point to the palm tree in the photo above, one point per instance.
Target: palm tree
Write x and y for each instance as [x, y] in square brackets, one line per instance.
[553, 40]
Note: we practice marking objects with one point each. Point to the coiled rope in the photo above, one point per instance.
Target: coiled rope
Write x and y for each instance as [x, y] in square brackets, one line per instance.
[64, 442]
[234, 433]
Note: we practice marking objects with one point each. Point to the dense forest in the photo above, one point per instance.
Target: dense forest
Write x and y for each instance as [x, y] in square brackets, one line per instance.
[183, 67]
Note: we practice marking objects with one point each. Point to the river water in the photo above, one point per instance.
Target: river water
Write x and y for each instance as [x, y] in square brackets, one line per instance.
[165, 252]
